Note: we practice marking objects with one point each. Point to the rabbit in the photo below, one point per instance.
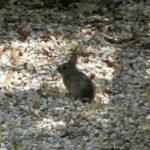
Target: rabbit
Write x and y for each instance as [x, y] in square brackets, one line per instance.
[76, 82]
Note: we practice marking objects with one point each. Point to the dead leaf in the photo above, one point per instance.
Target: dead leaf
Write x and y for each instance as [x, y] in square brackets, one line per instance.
[23, 32]
[50, 35]
[45, 37]
[84, 53]
[7, 80]
[6, 47]
[113, 40]
[54, 38]
[70, 36]
[107, 20]
[54, 77]
[86, 30]
[20, 53]
[13, 55]
[107, 91]
[111, 64]
[47, 52]
[92, 76]
[103, 91]
[29, 67]
[74, 47]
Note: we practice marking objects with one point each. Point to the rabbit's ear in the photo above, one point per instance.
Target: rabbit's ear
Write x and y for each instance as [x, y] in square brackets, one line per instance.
[73, 58]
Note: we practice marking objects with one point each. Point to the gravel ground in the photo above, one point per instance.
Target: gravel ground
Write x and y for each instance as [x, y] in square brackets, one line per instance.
[35, 112]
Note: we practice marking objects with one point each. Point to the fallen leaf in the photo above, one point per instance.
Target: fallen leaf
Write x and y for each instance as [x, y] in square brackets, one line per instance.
[54, 38]
[86, 30]
[84, 54]
[49, 35]
[47, 52]
[107, 20]
[92, 76]
[111, 64]
[7, 47]
[70, 36]
[30, 67]
[113, 40]
[20, 53]
[107, 91]
[23, 32]
[103, 91]
[7, 80]
[13, 55]
[74, 47]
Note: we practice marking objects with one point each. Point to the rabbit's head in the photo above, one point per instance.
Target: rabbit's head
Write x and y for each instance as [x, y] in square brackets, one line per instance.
[69, 67]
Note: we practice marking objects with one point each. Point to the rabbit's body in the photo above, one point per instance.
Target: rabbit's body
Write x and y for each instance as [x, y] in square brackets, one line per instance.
[79, 85]
[76, 82]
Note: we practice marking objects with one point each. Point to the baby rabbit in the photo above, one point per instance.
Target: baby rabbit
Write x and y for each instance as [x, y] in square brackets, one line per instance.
[76, 82]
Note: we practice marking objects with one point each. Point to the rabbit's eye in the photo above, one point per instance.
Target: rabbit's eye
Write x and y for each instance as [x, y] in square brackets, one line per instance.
[64, 67]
